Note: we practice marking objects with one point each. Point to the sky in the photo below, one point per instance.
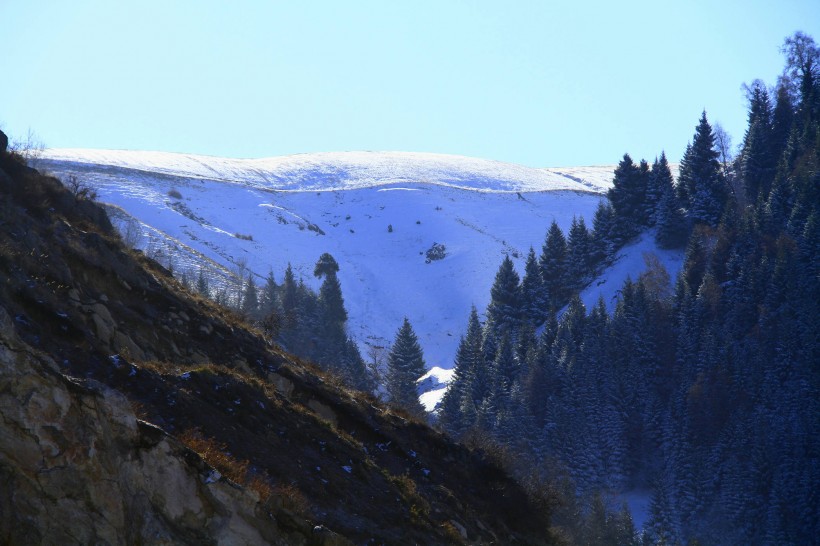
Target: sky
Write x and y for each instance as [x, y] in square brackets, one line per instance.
[540, 83]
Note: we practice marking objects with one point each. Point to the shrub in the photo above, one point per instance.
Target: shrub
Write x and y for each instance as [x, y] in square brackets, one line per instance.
[436, 252]
[174, 193]
[80, 189]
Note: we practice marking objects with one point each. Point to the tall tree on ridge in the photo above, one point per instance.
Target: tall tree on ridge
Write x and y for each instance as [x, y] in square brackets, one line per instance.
[704, 187]
[669, 219]
[628, 198]
[756, 163]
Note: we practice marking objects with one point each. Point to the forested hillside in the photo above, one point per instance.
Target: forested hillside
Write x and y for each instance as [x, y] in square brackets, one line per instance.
[703, 390]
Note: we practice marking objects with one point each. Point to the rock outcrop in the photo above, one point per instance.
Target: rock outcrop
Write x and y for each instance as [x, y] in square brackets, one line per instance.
[78, 467]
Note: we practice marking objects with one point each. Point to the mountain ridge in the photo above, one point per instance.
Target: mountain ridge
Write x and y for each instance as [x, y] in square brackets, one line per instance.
[379, 228]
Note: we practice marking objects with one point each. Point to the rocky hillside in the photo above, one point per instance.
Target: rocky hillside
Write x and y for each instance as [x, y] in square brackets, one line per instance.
[128, 403]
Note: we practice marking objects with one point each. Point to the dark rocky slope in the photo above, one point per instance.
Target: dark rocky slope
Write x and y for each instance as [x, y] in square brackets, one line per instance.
[94, 335]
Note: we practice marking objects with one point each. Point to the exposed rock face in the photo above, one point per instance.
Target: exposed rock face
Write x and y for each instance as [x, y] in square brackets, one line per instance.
[78, 467]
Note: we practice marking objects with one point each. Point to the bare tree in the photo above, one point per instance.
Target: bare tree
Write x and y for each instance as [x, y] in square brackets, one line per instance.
[376, 365]
[130, 232]
[240, 269]
[29, 148]
[80, 189]
[723, 142]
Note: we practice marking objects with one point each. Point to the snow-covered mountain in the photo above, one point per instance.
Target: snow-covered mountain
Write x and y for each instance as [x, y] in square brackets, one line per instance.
[377, 213]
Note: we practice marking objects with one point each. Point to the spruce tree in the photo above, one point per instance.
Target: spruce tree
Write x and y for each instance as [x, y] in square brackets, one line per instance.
[333, 336]
[250, 300]
[354, 370]
[289, 298]
[603, 224]
[533, 299]
[469, 360]
[202, 284]
[670, 222]
[757, 165]
[628, 198]
[269, 297]
[405, 364]
[505, 308]
[579, 255]
[704, 188]
[553, 264]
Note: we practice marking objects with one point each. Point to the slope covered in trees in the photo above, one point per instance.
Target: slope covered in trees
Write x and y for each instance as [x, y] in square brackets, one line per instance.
[704, 390]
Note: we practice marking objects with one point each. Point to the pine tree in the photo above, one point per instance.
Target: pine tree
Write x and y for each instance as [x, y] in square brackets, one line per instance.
[579, 255]
[603, 223]
[782, 122]
[756, 162]
[703, 186]
[333, 315]
[628, 198]
[661, 181]
[468, 369]
[202, 284]
[250, 300]
[534, 303]
[553, 266]
[290, 298]
[670, 222]
[354, 369]
[505, 308]
[269, 297]
[405, 364]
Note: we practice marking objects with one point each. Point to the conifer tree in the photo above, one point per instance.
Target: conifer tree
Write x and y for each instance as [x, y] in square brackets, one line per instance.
[756, 162]
[603, 224]
[250, 300]
[704, 188]
[354, 370]
[660, 181]
[505, 308]
[579, 255]
[269, 297]
[534, 303]
[289, 297]
[405, 364]
[553, 264]
[202, 284]
[333, 313]
[628, 198]
[670, 222]
[468, 368]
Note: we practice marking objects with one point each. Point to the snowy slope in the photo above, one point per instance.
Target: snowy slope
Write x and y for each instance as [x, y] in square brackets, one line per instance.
[629, 263]
[297, 207]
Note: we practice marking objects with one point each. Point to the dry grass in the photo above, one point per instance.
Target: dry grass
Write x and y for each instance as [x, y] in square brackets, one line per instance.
[419, 507]
[217, 455]
[292, 498]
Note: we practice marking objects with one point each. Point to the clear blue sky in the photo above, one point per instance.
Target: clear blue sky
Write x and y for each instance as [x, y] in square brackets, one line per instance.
[539, 83]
